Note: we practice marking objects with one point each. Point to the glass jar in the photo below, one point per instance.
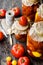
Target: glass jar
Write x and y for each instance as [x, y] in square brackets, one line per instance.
[35, 43]
[29, 8]
[39, 14]
[20, 32]
[21, 37]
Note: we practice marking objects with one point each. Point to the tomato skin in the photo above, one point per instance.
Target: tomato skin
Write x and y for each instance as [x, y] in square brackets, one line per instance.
[1, 36]
[17, 50]
[23, 21]
[24, 61]
[8, 63]
[16, 11]
[2, 12]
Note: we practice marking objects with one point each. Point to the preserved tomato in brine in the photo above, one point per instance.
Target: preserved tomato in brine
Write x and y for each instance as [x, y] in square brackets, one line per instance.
[29, 8]
[35, 40]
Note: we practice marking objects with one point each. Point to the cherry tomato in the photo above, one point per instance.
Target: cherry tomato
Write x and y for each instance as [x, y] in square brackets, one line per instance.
[8, 58]
[23, 21]
[17, 50]
[16, 11]
[8, 62]
[2, 12]
[24, 61]
[1, 36]
[14, 62]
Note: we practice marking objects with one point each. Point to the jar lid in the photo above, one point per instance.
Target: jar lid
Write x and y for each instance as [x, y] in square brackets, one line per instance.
[40, 10]
[29, 2]
[39, 28]
[36, 32]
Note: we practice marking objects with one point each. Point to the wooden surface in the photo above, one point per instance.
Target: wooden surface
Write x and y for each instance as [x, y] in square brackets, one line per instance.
[4, 46]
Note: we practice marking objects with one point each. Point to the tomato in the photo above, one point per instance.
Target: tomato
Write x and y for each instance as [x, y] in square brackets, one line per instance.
[17, 50]
[2, 12]
[24, 61]
[8, 58]
[14, 62]
[23, 21]
[16, 11]
[8, 62]
[1, 36]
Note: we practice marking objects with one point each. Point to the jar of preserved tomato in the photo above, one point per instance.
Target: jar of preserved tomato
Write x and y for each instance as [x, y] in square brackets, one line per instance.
[29, 8]
[35, 40]
[20, 29]
[39, 14]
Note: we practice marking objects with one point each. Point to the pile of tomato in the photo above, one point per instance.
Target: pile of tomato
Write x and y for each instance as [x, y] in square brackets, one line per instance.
[18, 52]
[16, 11]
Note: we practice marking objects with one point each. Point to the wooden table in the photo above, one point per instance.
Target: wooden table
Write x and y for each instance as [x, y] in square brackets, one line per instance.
[5, 46]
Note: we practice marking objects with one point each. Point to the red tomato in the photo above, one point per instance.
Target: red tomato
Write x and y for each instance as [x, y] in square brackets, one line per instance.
[17, 50]
[16, 11]
[8, 62]
[1, 36]
[23, 21]
[24, 61]
[2, 12]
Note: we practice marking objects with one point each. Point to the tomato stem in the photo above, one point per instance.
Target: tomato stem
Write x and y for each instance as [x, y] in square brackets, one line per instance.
[23, 60]
[0, 13]
[18, 47]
